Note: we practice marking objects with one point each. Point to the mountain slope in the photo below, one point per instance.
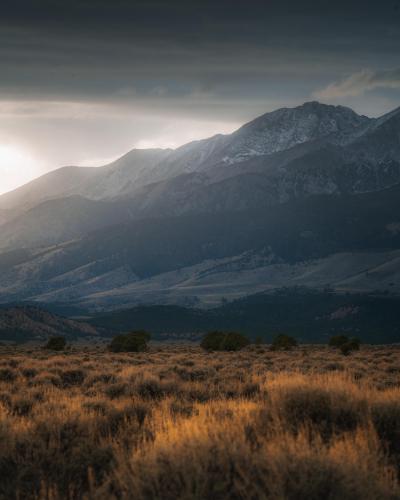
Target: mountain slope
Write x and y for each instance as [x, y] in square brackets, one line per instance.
[55, 221]
[298, 231]
[93, 183]
[31, 323]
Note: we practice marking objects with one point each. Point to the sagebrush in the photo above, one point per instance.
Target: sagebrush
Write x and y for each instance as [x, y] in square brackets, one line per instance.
[176, 422]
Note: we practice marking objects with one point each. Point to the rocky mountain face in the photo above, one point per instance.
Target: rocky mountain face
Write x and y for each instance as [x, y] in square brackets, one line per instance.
[294, 187]
[32, 323]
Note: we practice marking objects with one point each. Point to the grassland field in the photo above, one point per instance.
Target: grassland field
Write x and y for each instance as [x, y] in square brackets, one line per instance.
[177, 422]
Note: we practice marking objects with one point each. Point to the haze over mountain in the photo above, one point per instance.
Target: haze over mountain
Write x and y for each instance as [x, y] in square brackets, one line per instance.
[301, 196]
[271, 133]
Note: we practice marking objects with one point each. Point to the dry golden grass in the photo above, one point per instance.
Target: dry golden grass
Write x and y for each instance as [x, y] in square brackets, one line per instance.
[179, 423]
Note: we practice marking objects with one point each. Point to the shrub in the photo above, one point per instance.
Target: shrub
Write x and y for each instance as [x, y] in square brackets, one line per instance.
[345, 349]
[150, 388]
[249, 390]
[212, 341]
[328, 410]
[103, 378]
[48, 379]
[349, 346]
[224, 341]
[355, 343]
[283, 342]
[178, 408]
[192, 375]
[385, 415]
[338, 340]
[22, 406]
[29, 373]
[117, 390]
[130, 342]
[225, 459]
[234, 342]
[344, 344]
[7, 375]
[72, 377]
[56, 343]
[97, 407]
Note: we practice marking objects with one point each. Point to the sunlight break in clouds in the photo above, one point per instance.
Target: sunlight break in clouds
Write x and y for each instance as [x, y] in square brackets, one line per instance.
[16, 167]
[360, 82]
[39, 136]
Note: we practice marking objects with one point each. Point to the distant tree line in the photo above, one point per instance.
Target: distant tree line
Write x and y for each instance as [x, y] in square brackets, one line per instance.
[137, 341]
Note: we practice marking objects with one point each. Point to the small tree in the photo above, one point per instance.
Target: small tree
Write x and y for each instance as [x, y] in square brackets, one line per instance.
[345, 349]
[56, 343]
[352, 345]
[130, 342]
[224, 341]
[283, 342]
[345, 344]
[355, 343]
[234, 342]
[212, 341]
[338, 340]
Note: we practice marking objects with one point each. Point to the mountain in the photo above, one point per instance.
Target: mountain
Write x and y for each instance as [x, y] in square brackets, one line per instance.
[286, 154]
[298, 197]
[285, 128]
[317, 153]
[31, 323]
[92, 183]
[270, 133]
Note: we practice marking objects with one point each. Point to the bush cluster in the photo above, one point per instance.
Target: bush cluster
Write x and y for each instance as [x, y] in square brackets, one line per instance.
[224, 341]
[56, 343]
[345, 344]
[130, 342]
[283, 342]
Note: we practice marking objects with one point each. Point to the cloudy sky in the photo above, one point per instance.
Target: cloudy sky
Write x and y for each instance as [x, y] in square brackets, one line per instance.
[82, 82]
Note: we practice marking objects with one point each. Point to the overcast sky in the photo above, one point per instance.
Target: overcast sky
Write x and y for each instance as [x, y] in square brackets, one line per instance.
[82, 82]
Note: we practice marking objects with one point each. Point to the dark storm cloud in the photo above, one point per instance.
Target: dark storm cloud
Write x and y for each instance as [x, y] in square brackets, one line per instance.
[118, 50]
[185, 20]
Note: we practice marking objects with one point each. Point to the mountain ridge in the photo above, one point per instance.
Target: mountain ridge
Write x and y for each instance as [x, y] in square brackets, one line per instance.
[307, 185]
[30, 323]
[144, 183]
[194, 145]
